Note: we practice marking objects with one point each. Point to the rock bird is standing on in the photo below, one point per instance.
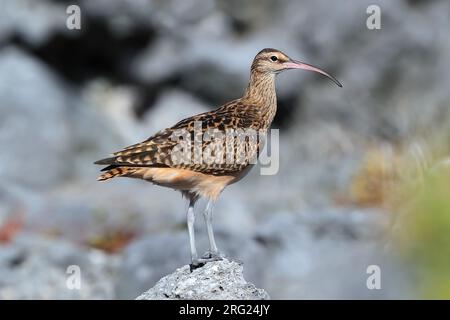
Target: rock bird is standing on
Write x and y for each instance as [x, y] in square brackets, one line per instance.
[151, 159]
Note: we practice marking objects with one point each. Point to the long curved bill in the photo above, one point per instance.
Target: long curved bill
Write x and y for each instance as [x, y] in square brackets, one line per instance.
[293, 64]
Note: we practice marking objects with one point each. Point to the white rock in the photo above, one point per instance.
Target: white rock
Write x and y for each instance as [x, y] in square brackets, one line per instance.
[215, 280]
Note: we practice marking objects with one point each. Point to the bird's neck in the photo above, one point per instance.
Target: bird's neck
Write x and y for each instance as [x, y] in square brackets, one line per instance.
[261, 89]
[261, 92]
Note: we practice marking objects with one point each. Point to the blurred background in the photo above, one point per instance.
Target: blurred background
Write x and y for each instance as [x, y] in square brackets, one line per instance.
[364, 170]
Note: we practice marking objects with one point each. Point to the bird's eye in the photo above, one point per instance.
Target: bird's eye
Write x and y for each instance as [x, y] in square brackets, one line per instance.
[273, 58]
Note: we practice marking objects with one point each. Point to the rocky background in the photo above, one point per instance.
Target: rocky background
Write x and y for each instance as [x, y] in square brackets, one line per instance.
[70, 97]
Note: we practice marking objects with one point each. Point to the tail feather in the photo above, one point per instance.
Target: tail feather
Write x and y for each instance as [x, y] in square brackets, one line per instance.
[106, 161]
[117, 172]
[110, 167]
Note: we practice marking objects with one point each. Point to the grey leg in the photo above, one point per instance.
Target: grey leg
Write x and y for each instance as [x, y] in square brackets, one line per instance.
[197, 262]
[190, 223]
[208, 221]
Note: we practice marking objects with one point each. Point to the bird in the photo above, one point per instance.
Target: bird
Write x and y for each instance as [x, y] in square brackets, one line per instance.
[157, 159]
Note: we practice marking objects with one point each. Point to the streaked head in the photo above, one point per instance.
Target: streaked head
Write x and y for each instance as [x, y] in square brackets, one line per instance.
[274, 61]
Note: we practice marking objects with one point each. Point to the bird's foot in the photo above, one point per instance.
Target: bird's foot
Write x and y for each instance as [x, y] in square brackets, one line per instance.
[213, 256]
[208, 256]
[195, 264]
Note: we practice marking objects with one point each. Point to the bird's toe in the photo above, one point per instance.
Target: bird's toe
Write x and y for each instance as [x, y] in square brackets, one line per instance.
[196, 264]
[213, 255]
